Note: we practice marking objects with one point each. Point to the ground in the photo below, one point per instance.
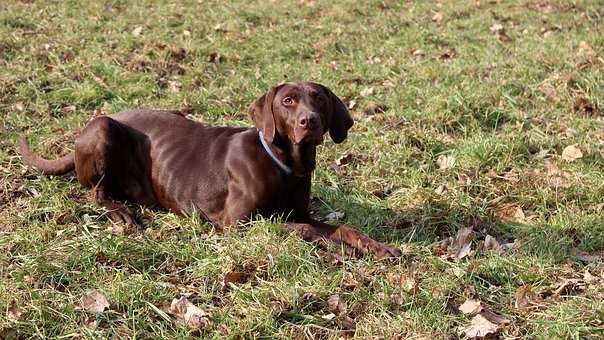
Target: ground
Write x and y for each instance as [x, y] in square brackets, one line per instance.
[474, 121]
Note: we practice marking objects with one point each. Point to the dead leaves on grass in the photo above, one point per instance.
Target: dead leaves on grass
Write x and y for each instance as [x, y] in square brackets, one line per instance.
[13, 312]
[445, 162]
[484, 321]
[187, 313]
[571, 153]
[460, 247]
[94, 302]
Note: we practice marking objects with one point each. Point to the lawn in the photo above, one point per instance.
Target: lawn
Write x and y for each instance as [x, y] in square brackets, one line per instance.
[477, 150]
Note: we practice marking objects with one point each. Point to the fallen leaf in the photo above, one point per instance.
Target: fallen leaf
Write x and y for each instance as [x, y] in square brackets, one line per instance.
[571, 153]
[583, 105]
[438, 17]
[494, 317]
[352, 104]
[232, 277]
[336, 304]
[406, 283]
[463, 243]
[496, 28]
[510, 213]
[137, 31]
[491, 244]
[94, 301]
[19, 107]
[396, 298]
[589, 278]
[510, 245]
[542, 154]
[523, 296]
[189, 314]
[328, 317]
[445, 162]
[174, 86]
[367, 91]
[341, 162]
[348, 280]
[441, 189]
[471, 307]
[13, 312]
[480, 327]
[186, 33]
[344, 160]
[418, 53]
[335, 216]
[569, 286]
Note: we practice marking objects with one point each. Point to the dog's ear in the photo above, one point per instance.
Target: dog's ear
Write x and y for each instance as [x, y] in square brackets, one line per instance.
[339, 120]
[261, 113]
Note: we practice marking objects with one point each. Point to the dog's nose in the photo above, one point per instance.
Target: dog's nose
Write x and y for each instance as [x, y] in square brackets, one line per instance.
[308, 120]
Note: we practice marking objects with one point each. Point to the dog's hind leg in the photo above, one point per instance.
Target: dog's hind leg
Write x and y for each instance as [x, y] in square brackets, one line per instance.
[99, 162]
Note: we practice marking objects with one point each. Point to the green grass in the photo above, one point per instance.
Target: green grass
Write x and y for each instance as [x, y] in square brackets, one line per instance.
[439, 88]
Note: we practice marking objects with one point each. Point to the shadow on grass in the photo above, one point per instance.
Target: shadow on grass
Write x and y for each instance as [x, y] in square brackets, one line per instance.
[437, 220]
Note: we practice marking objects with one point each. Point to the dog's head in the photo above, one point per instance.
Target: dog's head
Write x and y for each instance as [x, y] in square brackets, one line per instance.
[298, 115]
[301, 113]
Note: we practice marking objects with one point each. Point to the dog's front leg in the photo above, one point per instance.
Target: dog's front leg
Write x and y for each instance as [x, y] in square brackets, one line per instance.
[354, 240]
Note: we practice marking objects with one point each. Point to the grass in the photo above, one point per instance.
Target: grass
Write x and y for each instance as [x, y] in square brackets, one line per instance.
[503, 104]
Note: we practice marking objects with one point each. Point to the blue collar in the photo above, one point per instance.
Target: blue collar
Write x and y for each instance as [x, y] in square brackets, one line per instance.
[286, 169]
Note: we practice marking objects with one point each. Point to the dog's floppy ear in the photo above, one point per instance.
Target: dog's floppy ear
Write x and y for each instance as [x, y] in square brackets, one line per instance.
[339, 120]
[261, 113]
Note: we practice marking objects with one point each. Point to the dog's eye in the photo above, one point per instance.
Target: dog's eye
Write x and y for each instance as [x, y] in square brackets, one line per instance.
[288, 101]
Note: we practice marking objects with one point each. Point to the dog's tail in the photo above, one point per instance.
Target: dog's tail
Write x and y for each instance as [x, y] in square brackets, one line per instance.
[49, 167]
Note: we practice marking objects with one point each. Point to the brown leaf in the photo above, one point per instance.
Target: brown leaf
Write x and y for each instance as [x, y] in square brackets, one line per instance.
[471, 307]
[571, 153]
[336, 304]
[523, 296]
[491, 244]
[445, 162]
[328, 317]
[189, 314]
[510, 213]
[569, 286]
[234, 276]
[494, 318]
[589, 278]
[480, 327]
[510, 245]
[438, 17]
[406, 283]
[367, 91]
[583, 105]
[463, 243]
[348, 280]
[94, 302]
[341, 162]
[13, 312]
[174, 86]
[496, 28]
[137, 31]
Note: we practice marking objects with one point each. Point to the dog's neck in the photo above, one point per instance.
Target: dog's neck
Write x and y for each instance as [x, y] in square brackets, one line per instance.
[300, 158]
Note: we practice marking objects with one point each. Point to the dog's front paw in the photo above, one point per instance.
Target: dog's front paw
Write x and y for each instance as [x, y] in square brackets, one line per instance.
[121, 214]
[366, 245]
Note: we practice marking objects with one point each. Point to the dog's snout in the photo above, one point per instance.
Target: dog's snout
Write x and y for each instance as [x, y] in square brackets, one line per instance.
[309, 120]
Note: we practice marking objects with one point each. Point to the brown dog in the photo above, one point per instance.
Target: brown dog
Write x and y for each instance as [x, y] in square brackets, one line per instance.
[161, 158]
